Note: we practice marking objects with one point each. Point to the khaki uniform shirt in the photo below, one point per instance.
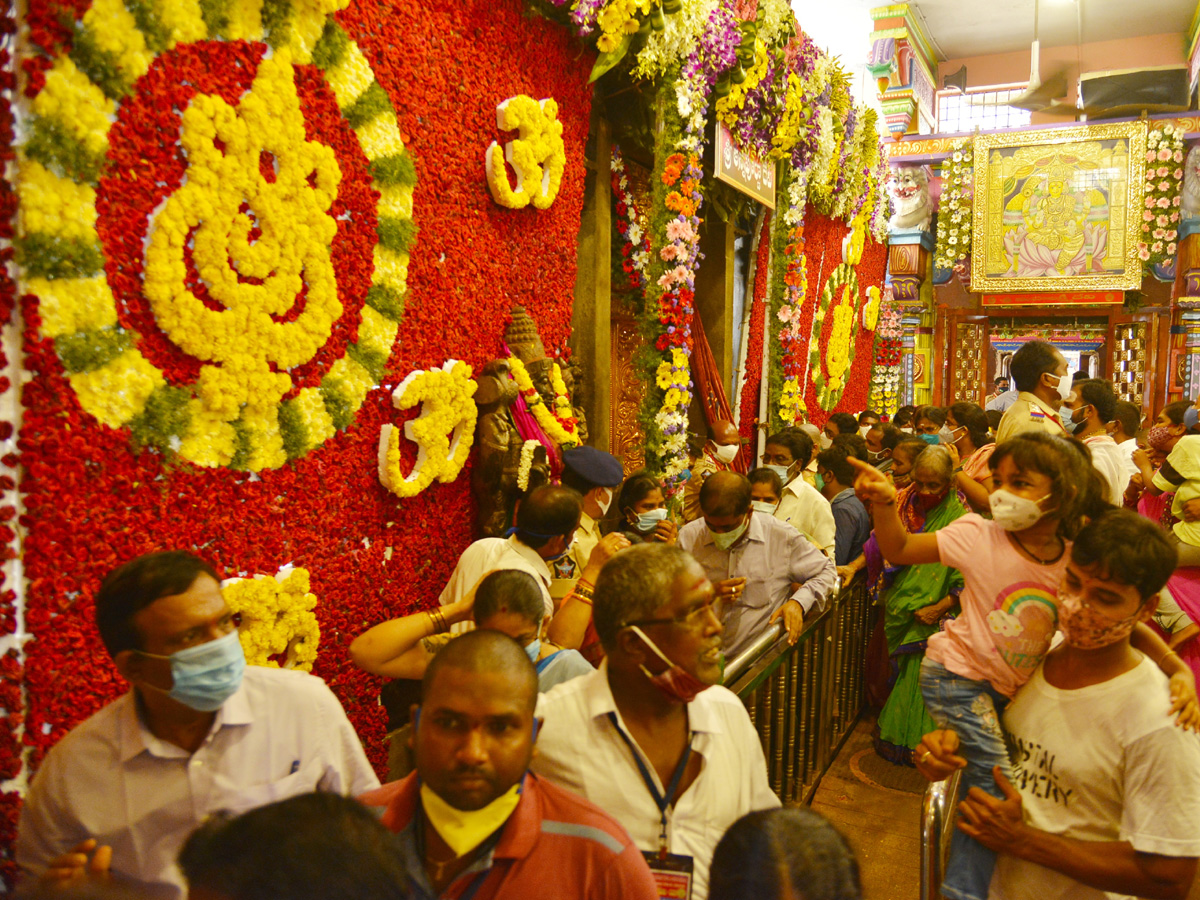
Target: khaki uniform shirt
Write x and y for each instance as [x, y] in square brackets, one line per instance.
[1029, 413]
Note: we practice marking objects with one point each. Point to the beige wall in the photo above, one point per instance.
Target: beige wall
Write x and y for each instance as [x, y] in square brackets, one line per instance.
[1010, 68]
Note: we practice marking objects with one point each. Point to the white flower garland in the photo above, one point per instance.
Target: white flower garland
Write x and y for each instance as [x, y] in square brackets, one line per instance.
[526, 464]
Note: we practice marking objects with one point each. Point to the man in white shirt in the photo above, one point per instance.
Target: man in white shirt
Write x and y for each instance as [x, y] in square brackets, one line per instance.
[802, 506]
[1107, 796]
[546, 523]
[754, 560]
[1092, 409]
[1126, 422]
[594, 475]
[198, 733]
[649, 716]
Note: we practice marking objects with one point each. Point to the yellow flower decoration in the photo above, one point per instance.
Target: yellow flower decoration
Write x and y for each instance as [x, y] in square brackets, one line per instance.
[871, 310]
[730, 106]
[619, 18]
[443, 432]
[559, 427]
[243, 340]
[837, 356]
[538, 155]
[233, 414]
[277, 618]
[791, 402]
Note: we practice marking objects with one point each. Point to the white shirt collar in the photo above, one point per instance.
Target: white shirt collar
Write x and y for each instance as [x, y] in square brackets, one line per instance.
[135, 737]
[531, 556]
[599, 701]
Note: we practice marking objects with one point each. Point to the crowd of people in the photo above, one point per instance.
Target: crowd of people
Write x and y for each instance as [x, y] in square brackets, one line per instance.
[557, 723]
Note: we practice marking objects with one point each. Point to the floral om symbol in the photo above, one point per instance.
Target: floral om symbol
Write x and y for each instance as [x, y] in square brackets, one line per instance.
[253, 210]
[538, 155]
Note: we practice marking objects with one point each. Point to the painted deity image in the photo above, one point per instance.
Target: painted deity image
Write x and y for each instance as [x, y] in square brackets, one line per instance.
[1056, 214]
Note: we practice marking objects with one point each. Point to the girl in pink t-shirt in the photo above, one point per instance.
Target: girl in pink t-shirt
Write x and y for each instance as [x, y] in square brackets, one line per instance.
[1012, 566]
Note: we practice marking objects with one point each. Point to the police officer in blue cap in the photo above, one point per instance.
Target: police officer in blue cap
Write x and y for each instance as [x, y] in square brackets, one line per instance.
[596, 475]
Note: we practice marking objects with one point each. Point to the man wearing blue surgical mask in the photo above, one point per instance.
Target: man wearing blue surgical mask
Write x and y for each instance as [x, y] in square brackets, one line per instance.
[199, 732]
[753, 561]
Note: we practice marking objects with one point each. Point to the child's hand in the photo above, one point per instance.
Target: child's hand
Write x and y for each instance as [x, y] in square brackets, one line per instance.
[1183, 701]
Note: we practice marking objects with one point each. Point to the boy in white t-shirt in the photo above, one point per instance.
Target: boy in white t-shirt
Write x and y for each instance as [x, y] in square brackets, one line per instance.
[1105, 802]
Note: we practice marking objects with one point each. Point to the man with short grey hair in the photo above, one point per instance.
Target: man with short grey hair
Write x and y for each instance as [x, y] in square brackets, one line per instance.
[672, 758]
[753, 559]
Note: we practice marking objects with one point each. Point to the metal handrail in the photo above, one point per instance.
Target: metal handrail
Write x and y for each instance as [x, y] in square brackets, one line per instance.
[937, 826]
[804, 698]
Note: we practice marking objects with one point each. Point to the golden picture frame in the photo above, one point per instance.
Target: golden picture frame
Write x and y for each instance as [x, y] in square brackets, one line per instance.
[1058, 209]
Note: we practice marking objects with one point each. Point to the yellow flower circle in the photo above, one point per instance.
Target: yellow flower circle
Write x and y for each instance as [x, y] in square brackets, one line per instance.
[232, 415]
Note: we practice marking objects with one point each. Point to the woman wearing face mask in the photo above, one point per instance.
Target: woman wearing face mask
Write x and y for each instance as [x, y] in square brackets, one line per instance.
[1012, 567]
[903, 419]
[904, 455]
[970, 450]
[1178, 475]
[931, 425]
[507, 600]
[916, 599]
[643, 511]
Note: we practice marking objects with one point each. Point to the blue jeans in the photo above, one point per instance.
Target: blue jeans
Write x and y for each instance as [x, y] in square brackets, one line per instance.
[971, 709]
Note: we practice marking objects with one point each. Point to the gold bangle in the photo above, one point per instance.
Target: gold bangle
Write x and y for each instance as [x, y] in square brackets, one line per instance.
[439, 621]
[581, 591]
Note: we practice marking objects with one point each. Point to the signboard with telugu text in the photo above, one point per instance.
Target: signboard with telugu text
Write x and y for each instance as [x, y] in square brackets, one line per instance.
[746, 172]
[1064, 298]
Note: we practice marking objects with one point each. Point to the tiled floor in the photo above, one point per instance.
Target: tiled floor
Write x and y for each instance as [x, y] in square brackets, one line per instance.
[882, 824]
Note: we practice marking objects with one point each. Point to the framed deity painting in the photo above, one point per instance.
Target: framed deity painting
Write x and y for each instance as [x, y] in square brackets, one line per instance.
[1059, 209]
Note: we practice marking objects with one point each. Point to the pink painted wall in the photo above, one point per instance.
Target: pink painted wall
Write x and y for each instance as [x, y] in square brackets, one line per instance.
[1009, 68]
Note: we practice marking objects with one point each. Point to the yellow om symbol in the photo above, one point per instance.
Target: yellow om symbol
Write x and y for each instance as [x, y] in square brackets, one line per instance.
[443, 432]
[254, 209]
[837, 357]
[538, 155]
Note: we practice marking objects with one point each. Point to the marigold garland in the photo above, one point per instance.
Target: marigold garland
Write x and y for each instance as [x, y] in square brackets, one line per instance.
[559, 424]
[276, 618]
[232, 415]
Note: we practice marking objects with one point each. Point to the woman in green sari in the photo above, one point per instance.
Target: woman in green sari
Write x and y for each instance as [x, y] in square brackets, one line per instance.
[916, 599]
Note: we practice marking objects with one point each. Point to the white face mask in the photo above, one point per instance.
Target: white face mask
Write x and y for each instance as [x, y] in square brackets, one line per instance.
[826, 441]
[863, 429]
[1064, 388]
[763, 506]
[605, 503]
[726, 453]
[1013, 513]
[907, 429]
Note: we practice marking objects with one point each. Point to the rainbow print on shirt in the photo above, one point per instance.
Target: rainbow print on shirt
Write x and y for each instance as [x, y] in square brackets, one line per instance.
[1023, 623]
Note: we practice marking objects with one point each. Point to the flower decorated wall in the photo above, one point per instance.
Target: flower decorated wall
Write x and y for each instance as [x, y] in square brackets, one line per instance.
[97, 494]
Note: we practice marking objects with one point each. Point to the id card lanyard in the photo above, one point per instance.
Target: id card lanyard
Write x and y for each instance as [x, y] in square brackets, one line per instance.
[662, 802]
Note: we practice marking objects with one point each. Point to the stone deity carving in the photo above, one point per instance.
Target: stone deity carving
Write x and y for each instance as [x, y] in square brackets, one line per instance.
[912, 208]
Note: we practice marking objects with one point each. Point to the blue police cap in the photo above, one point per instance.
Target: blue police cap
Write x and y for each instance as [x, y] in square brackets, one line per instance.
[600, 468]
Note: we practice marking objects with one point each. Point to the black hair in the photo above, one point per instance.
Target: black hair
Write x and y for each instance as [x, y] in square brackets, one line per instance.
[763, 475]
[835, 459]
[725, 494]
[854, 444]
[633, 584]
[972, 417]
[635, 489]
[1032, 360]
[1129, 415]
[546, 513]
[994, 416]
[866, 416]
[482, 651]
[934, 414]
[903, 416]
[130, 588]
[310, 847]
[912, 446]
[798, 443]
[776, 853]
[889, 435]
[1128, 548]
[1075, 485]
[846, 423]
[1078, 375]
[1174, 411]
[1100, 396]
[509, 590]
[1000, 378]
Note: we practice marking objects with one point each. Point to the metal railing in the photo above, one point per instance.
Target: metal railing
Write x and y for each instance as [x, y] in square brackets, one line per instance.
[805, 699]
[937, 825]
